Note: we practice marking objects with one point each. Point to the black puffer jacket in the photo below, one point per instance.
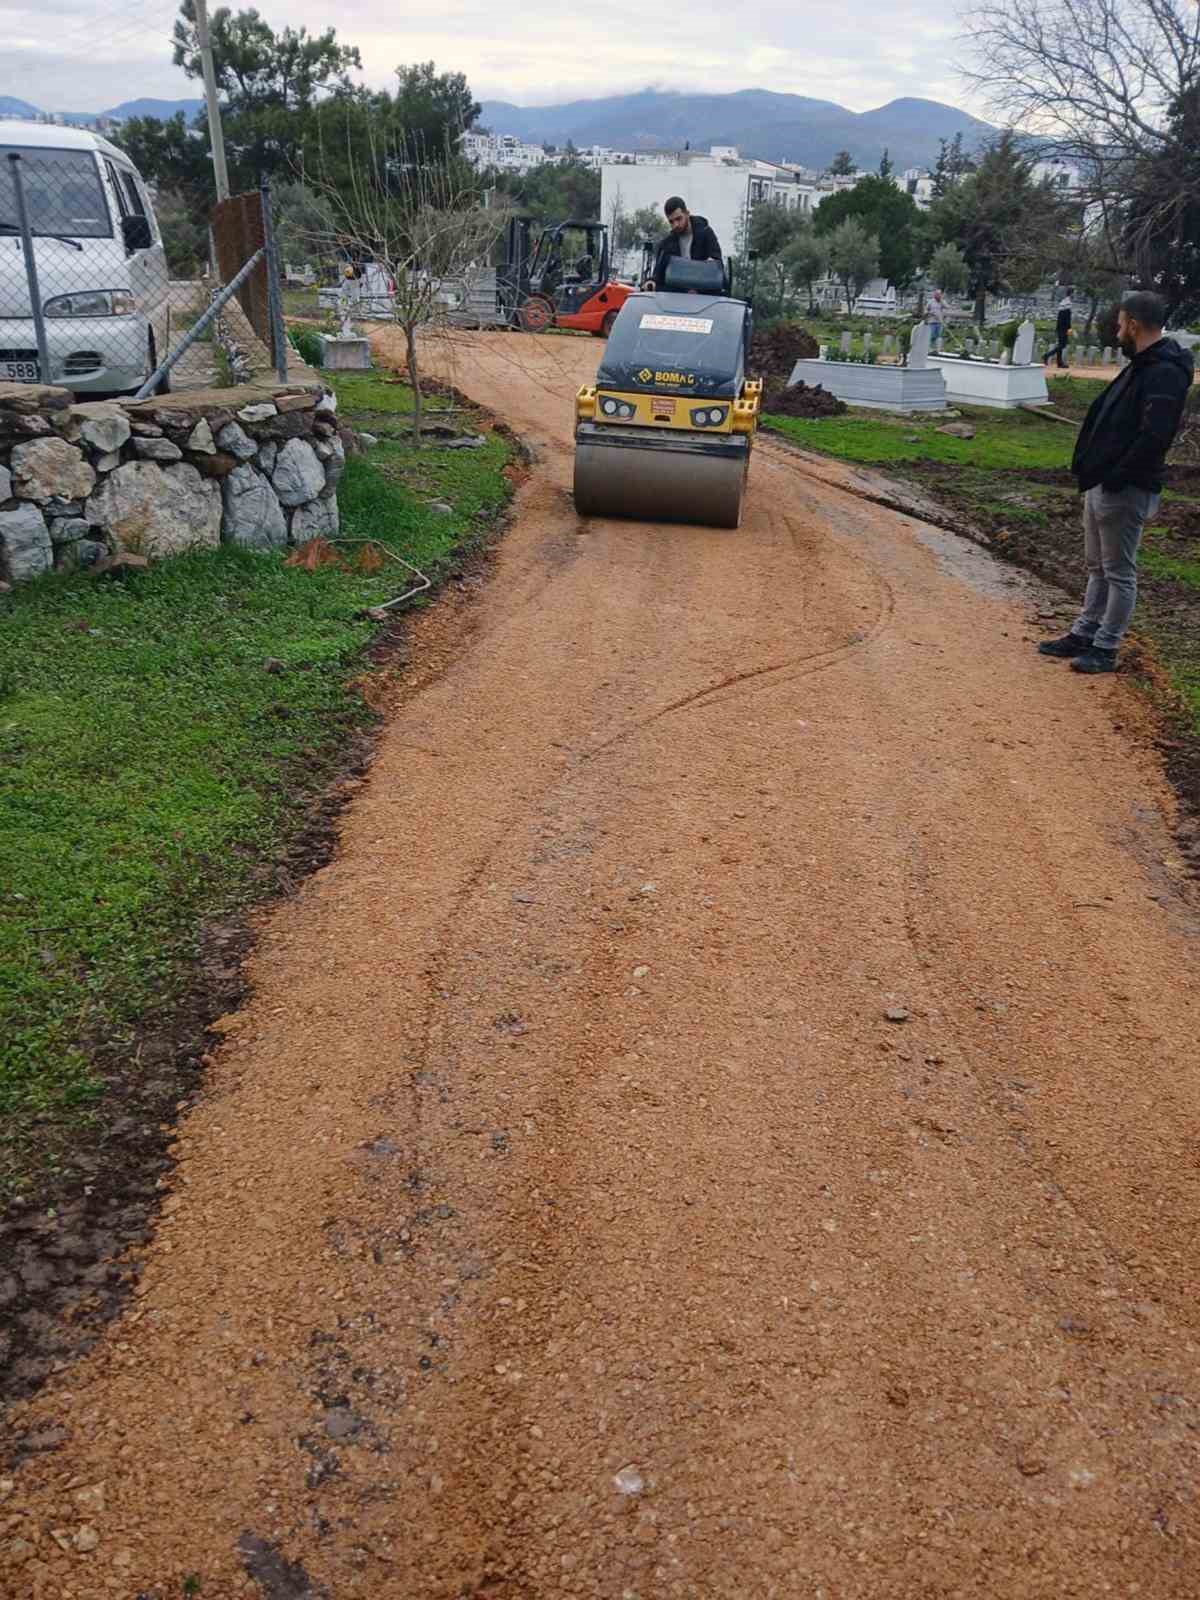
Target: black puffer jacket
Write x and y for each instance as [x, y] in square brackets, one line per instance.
[1131, 426]
[704, 248]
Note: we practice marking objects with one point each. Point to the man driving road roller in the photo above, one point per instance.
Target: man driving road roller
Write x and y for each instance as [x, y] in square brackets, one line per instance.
[690, 238]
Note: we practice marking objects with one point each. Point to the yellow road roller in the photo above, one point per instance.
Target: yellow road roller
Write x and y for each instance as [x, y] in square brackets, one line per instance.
[664, 433]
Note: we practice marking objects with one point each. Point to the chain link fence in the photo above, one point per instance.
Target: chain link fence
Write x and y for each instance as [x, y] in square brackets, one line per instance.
[86, 301]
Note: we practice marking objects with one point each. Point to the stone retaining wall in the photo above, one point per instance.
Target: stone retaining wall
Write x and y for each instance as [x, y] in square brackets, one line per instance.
[81, 483]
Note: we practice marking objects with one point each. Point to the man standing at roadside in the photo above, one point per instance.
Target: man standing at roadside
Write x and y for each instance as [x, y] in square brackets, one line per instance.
[1062, 329]
[1118, 464]
[690, 237]
[935, 316]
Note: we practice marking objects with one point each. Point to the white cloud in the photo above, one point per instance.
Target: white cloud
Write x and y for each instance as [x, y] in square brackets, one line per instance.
[73, 55]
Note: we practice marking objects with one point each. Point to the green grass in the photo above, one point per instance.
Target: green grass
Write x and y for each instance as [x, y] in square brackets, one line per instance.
[150, 765]
[1158, 565]
[364, 393]
[1006, 439]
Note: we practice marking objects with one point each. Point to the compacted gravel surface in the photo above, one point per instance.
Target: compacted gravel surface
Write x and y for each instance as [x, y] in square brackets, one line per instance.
[724, 1124]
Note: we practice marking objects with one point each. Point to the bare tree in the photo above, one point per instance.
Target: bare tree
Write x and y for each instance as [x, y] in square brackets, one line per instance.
[1108, 84]
[418, 220]
[1095, 77]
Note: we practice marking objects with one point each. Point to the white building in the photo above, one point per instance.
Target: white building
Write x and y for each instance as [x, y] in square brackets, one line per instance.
[502, 152]
[719, 185]
[919, 184]
[1059, 174]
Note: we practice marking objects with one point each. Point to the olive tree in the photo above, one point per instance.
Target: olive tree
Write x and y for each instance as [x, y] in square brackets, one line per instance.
[853, 258]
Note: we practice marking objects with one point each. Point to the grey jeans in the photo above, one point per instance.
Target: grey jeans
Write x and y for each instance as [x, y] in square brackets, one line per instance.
[1112, 532]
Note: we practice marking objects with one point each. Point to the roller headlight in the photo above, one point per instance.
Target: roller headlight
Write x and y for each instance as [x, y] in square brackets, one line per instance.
[709, 416]
[91, 303]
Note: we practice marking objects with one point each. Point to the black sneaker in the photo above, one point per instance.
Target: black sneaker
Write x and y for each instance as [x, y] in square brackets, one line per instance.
[1071, 644]
[1094, 660]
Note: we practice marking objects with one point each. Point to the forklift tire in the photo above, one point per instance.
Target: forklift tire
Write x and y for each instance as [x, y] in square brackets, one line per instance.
[537, 314]
[606, 327]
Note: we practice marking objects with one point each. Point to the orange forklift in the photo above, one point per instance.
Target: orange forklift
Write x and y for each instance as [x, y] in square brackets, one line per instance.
[562, 281]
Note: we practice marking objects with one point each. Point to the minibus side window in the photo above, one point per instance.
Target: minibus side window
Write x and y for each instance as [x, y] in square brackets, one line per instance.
[115, 183]
[131, 189]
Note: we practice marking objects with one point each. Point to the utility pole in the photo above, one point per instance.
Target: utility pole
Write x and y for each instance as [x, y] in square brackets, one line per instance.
[216, 137]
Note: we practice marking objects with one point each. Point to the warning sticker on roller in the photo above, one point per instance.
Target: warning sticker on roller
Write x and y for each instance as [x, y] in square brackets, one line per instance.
[676, 324]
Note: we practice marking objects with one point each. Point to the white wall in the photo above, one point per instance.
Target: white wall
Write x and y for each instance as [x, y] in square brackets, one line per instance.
[712, 191]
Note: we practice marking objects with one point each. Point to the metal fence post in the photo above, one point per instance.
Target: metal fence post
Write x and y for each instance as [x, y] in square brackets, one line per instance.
[274, 299]
[31, 276]
[198, 327]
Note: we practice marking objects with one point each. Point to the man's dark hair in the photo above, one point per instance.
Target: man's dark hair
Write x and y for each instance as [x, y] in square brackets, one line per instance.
[675, 203]
[1146, 307]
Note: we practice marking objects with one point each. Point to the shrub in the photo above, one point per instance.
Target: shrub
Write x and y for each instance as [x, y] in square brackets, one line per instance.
[306, 345]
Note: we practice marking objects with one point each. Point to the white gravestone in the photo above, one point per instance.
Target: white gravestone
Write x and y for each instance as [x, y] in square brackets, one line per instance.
[1023, 349]
[845, 344]
[918, 350]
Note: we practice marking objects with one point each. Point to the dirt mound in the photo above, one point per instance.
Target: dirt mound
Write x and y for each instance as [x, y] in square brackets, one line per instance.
[775, 351]
[801, 400]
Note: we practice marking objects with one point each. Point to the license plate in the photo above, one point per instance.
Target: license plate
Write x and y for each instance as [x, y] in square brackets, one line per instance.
[19, 371]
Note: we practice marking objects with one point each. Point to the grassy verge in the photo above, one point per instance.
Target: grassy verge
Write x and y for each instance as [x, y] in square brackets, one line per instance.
[1011, 484]
[161, 736]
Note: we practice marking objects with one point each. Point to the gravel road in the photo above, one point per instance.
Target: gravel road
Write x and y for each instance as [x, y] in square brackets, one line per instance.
[723, 1126]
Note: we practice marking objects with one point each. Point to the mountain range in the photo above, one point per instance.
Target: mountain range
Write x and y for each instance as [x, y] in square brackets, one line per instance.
[10, 107]
[773, 127]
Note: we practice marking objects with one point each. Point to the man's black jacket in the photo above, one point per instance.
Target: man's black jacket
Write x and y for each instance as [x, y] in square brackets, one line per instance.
[1131, 426]
[704, 248]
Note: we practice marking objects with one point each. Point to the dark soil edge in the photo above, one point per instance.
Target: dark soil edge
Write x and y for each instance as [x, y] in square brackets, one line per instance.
[62, 1272]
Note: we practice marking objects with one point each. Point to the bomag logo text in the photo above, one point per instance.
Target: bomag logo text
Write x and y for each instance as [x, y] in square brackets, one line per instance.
[675, 377]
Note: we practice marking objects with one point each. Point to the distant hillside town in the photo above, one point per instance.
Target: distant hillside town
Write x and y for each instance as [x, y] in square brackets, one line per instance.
[726, 182]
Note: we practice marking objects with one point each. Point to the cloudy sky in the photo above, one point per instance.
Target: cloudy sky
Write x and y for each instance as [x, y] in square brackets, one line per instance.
[86, 55]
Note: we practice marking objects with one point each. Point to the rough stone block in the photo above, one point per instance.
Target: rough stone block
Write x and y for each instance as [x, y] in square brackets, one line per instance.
[237, 442]
[335, 465]
[31, 397]
[158, 511]
[25, 548]
[201, 439]
[158, 450]
[316, 520]
[262, 412]
[298, 475]
[103, 425]
[68, 530]
[252, 516]
[44, 468]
